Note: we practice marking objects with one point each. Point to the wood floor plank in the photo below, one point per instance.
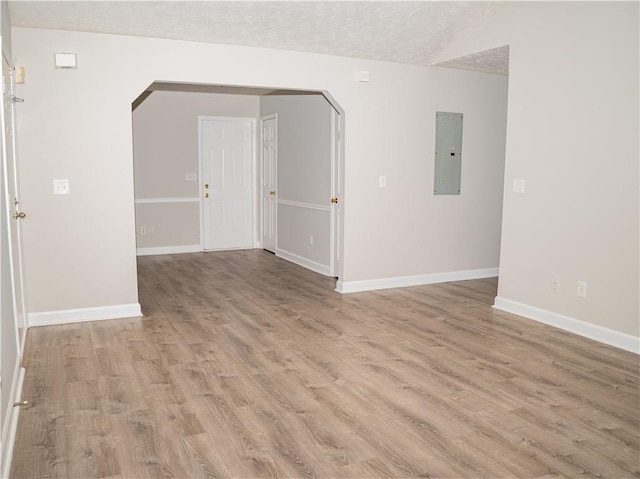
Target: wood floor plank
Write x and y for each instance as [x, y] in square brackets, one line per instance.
[249, 366]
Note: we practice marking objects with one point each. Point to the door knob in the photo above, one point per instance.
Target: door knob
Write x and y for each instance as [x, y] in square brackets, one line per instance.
[334, 200]
[206, 185]
[20, 215]
[272, 192]
[206, 195]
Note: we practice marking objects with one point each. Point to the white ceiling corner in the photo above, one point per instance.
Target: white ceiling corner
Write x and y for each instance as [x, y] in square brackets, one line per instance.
[411, 32]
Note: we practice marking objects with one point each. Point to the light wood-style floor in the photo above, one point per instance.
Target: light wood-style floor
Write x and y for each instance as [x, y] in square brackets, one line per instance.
[248, 366]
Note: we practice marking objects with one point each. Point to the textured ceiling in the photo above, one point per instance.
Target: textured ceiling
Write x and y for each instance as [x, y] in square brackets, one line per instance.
[495, 60]
[400, 31]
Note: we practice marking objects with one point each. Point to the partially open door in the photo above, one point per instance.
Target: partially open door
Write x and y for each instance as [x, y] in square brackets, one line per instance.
[269, 183]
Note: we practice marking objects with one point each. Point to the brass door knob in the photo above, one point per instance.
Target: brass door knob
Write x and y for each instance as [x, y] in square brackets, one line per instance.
[272, 192]
[20, 215]
[206, 185]
[334, 200]
[206, 195]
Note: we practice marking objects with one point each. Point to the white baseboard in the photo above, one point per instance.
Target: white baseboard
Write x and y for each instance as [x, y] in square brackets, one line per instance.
[307, 263]
[190, 248]
[418, 280]
[577, 326]
[118, 311]
[11, 421]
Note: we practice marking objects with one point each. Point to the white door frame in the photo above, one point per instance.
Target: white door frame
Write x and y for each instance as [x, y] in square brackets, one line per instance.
[201, 119]
[335, 250]
[16, 257]
[272, 116]
[15, 321]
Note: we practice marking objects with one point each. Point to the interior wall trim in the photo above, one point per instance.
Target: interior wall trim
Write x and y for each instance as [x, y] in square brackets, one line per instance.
[190, 248]
[573, 325]
[118, 311]
[146, 201]
[308, 206]
[304, 262]
[417, 280]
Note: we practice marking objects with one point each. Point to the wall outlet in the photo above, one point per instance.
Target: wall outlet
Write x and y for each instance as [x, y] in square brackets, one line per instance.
[191, 177]
[149, 230]
[582, 289]
[555, 281]
[60, 187]
[382, 182]
[143, 231]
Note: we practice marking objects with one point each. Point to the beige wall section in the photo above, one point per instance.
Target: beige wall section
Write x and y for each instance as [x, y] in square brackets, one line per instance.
[304, 174]
[165, 149]
[168, 224]
[573, 136]
[77, 124]
[450, 232]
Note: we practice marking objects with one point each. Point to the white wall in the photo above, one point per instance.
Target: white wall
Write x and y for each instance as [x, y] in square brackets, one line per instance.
[304, 176]
[165, 149]
[76, 124]
[573, 136]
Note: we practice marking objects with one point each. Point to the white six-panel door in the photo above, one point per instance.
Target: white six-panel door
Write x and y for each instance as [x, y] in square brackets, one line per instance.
[226, 154]
[269, 184]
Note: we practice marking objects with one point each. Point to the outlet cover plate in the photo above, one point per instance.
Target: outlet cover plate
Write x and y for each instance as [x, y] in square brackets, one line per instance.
[60, 187]
[582, 289]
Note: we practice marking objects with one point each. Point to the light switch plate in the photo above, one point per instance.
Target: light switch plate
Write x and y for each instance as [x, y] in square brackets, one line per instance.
[60, 187]
[191, 177]
[518, 186]
[362, 76]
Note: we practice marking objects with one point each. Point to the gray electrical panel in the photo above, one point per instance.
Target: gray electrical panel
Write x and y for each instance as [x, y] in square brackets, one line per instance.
[448, 162]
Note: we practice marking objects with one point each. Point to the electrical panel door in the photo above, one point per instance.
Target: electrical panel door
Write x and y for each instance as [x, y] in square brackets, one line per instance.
[448, 160]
